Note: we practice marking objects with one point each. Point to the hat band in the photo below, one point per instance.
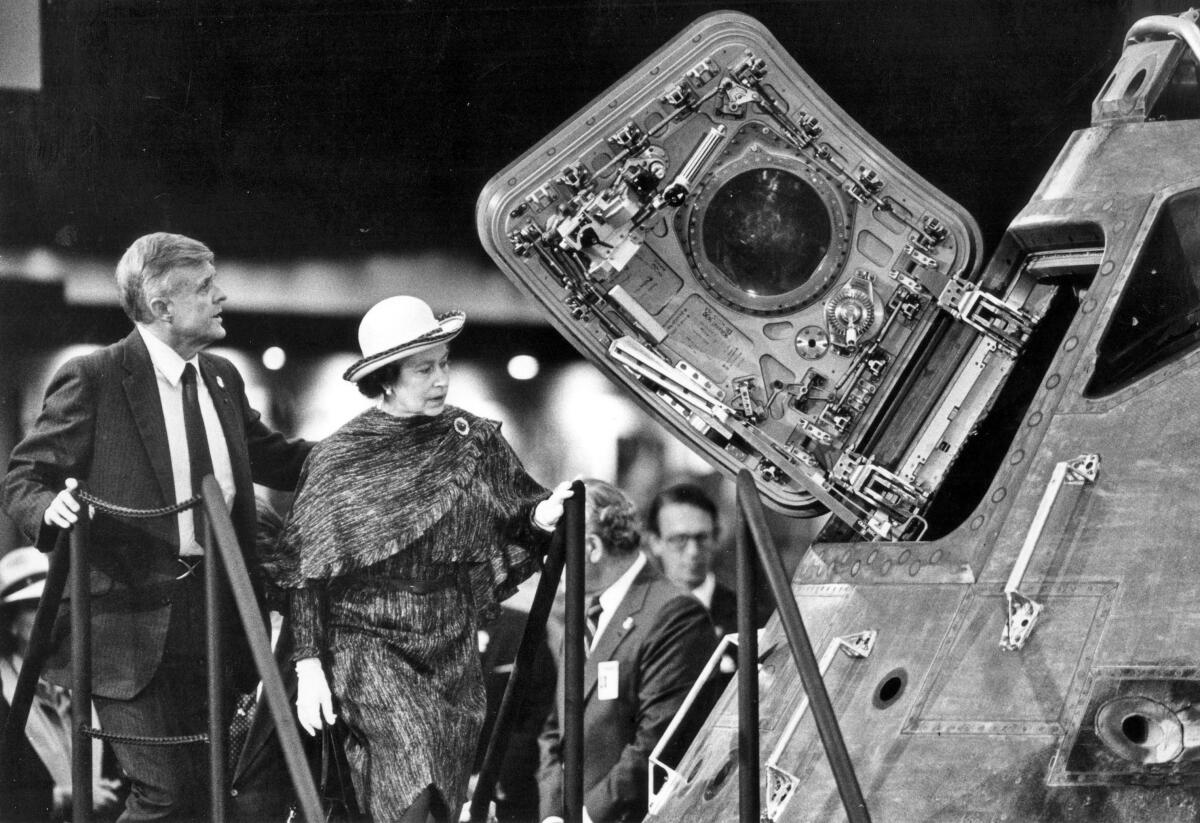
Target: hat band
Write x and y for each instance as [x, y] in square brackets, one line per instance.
[21, 583]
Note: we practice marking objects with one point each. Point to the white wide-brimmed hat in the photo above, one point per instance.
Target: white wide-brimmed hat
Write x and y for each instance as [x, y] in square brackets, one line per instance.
[400, 327]
[22, 575]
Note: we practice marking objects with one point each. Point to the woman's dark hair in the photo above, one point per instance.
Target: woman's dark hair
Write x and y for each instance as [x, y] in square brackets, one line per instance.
[612, 517]
[372, 383]
[687, 494]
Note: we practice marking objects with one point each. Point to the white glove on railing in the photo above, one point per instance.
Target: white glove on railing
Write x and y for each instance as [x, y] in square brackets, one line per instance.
[313, 698]
[547, 513]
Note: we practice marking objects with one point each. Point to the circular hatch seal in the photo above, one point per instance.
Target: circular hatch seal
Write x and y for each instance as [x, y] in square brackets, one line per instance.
[766, 232]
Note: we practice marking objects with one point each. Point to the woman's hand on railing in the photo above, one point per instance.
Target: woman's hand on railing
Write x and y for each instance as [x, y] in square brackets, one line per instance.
[548, 512]
[313, 698]
[63, 510]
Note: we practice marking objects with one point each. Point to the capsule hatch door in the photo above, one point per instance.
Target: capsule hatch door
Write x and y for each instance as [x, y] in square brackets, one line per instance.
[783, 293]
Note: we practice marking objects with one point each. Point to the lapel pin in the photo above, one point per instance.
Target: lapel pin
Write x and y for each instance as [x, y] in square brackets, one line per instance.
[628, 624]
[220, 382]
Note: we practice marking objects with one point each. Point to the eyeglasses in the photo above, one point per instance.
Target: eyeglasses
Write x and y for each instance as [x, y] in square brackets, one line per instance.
[679, 542]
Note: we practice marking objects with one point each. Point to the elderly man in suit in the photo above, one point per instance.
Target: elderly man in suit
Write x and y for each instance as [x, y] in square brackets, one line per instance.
[649, 641]
[140, 423]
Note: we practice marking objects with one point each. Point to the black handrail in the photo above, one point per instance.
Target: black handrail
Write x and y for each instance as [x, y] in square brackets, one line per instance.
[754, 522]
[565, 545]
[39, 651]
[224, 553]
[515, 689]
[749, 777]
[81, 673]
[573, 658]
[231, 560]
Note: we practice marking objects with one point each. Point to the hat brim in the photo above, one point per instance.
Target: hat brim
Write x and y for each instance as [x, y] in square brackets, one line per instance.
[449, 325]
[32, 592]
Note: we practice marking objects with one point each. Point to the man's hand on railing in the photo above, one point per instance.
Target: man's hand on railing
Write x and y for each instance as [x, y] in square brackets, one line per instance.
[63, 510]
[313, 698]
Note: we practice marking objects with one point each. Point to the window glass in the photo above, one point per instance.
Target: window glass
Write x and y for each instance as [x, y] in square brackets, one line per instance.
[1158, 317]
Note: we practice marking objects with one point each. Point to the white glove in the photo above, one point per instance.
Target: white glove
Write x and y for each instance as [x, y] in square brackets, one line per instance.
[63, 510]
[313, 698]
[547, 513]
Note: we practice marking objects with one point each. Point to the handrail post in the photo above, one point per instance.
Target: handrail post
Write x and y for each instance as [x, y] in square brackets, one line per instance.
[750, 507]
[216, 666]
[225, 545]
[514, 690]
[573, 657]
[39, 651]
[81, 671]
[749, 802]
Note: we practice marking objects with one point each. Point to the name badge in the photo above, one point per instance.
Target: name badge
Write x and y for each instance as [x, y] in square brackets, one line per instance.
[606, 680]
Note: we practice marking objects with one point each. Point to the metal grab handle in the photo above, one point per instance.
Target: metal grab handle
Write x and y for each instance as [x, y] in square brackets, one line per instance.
[1182, 27]
[781, 785]
[1022, 611]
[657, 798]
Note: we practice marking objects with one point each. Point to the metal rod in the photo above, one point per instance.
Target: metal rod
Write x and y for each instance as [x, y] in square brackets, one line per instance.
[226, 546]
[749, 801]
[216, 667]
[39, 651]
[81, 671]
[573, 657]
[514, 690]
[750, 507]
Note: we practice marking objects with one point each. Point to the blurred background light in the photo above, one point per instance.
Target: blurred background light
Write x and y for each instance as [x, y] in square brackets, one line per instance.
[523, 367]
[274, 358]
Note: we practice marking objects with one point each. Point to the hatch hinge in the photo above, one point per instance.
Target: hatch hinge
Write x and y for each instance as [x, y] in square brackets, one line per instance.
[893, 503]
[1007, 326]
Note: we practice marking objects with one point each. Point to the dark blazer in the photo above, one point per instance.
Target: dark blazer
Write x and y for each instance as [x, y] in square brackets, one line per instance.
[723, 610]
[660, 636]
[102, 423]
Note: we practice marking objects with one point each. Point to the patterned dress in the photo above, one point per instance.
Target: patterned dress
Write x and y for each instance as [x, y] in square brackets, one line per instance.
[387, 502]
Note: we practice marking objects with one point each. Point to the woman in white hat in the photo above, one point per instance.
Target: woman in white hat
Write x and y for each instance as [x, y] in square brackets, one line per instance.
[412, 522]
[38, 787]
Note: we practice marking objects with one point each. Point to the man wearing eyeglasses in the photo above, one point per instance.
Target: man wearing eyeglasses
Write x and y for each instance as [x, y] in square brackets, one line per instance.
[682, 523]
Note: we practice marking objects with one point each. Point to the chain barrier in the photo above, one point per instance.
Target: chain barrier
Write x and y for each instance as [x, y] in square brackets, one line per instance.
[127, 511]
[143, 740]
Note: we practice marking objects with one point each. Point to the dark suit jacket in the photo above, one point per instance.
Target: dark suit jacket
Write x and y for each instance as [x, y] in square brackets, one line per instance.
[102, 422]
[723, 610]
[660, 637]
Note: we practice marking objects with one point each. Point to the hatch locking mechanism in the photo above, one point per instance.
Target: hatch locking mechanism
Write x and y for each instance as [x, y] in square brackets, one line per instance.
[1007, 326]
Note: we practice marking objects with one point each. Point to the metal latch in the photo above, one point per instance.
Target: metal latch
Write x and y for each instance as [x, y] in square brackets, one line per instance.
[1007, 325]
[781, 785]
[1021, 611]
[894, 500]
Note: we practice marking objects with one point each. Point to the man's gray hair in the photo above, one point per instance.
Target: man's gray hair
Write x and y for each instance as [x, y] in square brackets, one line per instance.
[145, 264]
[612, 517]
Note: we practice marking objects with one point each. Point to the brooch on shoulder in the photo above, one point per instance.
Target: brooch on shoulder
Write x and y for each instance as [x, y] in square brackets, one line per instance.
[460, 426]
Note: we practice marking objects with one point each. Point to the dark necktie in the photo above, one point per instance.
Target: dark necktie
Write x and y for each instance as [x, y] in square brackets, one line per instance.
[197, 440]
[592, 620]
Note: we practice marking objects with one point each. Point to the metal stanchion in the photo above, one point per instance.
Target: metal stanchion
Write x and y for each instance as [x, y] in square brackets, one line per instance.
[573, 658]
[750, 508]
[749, 801]
[81, 671]
[510, 704]
[216, 667]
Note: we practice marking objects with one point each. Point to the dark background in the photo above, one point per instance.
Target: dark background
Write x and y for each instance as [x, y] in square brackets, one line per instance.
[297, 128]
